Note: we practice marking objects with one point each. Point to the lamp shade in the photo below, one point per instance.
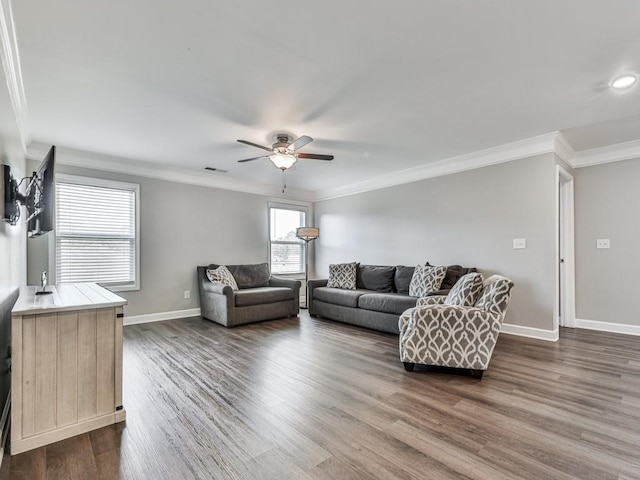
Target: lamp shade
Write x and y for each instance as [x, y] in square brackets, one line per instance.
[307, 233]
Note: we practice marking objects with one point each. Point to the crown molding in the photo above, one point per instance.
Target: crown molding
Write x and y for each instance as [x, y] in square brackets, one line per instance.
[564, 150]
[483, 158]
[553, 142]
[13, 74]
[107, 163]
[608, 154]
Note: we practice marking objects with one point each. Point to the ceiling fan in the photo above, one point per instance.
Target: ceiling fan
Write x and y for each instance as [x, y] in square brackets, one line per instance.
[284, 152]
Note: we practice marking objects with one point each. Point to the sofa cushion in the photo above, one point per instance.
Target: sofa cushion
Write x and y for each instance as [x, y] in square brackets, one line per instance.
[337, 296]
[249, 276]
[402, 278]
[378, 278]
[342, 275]
[223, 276]
[395, 303]
[425, 280]
[262, 296]
[466, 291]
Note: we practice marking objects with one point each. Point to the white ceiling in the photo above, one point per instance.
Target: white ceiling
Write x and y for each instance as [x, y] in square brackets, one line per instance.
[384, 86]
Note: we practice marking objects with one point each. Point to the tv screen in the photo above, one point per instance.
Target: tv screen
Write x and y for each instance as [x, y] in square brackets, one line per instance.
[41, 197]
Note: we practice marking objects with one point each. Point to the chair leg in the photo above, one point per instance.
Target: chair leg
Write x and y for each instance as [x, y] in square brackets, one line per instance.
[409, 366]
[477, 374]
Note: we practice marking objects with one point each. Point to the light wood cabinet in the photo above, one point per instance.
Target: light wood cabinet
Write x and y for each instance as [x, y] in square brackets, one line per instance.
[66, 376]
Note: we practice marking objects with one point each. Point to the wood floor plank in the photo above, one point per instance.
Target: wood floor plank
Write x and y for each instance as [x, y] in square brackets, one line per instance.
[72, 459]
[310, 399]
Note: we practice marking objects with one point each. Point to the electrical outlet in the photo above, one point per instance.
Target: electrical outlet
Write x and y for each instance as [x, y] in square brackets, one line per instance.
[187, 294]
[602, 243]
[519, 243]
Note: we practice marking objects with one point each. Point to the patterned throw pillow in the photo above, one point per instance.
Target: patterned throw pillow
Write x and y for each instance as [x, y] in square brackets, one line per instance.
[222, 275]
[466, 291]
[342, 275]
[425, 280]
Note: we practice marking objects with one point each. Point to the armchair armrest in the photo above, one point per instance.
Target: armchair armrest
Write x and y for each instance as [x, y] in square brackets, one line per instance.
[433, 300]
[217, 301]
[284, 282]
[292, 284]
[455, 318]
[216, 288]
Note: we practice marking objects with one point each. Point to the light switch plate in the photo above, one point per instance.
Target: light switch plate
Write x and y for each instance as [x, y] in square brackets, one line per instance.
[602, 243]
[519, 243]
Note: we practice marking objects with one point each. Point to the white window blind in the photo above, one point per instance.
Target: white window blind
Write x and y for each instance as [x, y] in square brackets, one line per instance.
[96, 233]
[286, 250]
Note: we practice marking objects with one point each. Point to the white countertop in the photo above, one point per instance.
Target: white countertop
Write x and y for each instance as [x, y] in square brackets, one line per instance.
[65, 297]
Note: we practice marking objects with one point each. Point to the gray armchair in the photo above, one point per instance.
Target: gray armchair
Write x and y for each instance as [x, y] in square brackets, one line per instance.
[259, 296]
[434, 333]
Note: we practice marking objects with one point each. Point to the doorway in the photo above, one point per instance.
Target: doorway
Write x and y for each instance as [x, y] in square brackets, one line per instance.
[565, 252]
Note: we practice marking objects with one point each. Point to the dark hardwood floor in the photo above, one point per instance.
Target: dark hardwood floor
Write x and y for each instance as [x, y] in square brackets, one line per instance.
[312, 399]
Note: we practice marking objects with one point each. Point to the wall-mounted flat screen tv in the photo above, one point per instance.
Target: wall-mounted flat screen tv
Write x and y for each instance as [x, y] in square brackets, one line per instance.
[39, 197]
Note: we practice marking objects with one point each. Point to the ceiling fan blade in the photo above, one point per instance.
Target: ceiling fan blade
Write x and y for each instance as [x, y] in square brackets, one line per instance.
[251, 159]
[300, 142]
[314, 156]
[268, 149]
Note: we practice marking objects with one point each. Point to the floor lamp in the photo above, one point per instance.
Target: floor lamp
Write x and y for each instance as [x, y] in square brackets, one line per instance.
[307, 234]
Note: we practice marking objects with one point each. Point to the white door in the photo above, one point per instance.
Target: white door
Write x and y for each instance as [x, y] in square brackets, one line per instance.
[565, 296]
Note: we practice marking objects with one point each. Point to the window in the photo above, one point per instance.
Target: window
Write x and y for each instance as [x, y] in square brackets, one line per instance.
[96, 235]
[286, 250]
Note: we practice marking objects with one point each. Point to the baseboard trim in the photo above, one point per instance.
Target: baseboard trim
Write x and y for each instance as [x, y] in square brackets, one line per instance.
[41, 439]
[608, 327]
[159, 317]
[4, 426]
[530, 332]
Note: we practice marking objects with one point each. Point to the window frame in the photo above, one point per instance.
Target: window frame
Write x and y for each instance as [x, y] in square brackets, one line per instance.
[294, 207]
[116, 185]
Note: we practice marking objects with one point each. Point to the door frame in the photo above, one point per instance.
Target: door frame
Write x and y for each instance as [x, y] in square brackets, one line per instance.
[565, 292]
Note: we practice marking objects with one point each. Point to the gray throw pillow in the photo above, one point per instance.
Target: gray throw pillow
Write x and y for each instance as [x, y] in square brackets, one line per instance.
[466, 291]
[342, 275]
[403, 278]
[425, 280]
[375, 277]
[454, 273]
[222, 275]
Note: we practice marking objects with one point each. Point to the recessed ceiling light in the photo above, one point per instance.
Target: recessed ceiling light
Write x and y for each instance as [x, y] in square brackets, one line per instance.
[624, 81]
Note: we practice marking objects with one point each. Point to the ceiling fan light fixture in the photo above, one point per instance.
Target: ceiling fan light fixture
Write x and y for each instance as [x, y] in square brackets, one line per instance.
[624, 81]
[283, 161]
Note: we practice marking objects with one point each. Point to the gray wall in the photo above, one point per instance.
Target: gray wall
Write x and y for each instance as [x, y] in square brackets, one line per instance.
[182, 226]
[607, 201]
[12, 238]
[468, 218]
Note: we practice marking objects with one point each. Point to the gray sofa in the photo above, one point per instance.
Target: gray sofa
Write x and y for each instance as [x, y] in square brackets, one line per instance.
[380, 297]
[259, 296]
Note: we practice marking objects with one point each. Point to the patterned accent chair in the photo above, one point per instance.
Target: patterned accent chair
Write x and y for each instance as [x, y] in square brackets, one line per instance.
[459, 336]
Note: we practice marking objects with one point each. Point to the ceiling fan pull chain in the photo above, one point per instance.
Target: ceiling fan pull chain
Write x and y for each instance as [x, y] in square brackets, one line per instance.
[284, 180]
